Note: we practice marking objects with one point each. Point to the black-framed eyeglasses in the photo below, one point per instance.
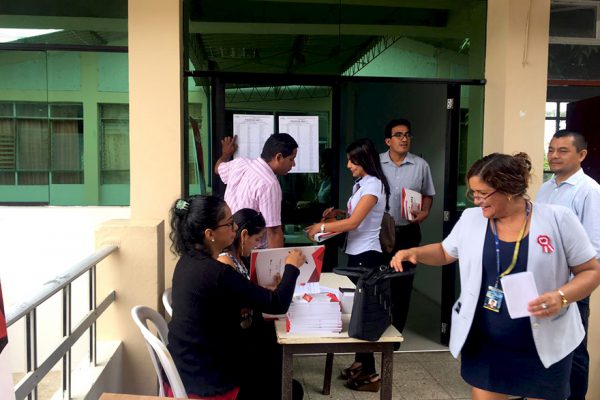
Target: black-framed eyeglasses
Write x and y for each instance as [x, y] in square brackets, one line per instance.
[402, 135]
[480, 197]
[230, 224]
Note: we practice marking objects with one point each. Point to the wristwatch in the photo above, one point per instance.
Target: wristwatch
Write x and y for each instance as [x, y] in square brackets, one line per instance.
[563, 299]
[322, 228]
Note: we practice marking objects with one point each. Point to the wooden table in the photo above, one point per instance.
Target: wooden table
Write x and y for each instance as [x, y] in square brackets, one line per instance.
[335, 343]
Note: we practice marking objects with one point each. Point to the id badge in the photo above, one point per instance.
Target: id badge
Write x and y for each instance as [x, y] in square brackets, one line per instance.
[493, 299]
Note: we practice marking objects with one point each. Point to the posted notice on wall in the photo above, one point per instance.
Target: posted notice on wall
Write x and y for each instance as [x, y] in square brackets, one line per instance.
[305, 130]
[252, 132]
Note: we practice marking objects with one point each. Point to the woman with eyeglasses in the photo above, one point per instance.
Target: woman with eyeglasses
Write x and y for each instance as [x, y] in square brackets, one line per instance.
[504, 235]
[366, 206]
[205, 339]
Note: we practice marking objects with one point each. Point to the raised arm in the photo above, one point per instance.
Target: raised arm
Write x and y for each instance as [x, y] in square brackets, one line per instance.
[431, 254]
[228, 148]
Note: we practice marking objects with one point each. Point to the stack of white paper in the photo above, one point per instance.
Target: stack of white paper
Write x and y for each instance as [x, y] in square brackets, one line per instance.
[315, 313]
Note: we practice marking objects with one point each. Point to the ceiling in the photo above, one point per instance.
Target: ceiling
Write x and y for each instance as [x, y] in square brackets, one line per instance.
[325, 37]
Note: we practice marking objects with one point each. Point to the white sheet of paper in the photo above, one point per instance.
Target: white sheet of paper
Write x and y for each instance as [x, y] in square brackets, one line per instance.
[252, 132]
[519, 289]
[305, 130]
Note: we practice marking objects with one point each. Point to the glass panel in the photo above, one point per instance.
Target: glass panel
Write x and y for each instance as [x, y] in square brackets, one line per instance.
[551, 109]
[115, 143]
[562, 124]
[33, 144]
[567, 61]
[6, 109]
[563, 109]
[66, 111]
[67, 151]
[305, 195]
[470, 139]
[8, 154]
[570, 20]
[32, 110]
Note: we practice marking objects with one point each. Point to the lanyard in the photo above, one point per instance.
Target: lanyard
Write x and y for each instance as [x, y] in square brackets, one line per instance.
[517, 246]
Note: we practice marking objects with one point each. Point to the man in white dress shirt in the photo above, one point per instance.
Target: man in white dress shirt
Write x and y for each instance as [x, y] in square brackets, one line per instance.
[572, 188]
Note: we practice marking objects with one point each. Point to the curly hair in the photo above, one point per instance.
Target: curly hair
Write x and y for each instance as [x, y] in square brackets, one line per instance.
[505, 173]
[189, 219]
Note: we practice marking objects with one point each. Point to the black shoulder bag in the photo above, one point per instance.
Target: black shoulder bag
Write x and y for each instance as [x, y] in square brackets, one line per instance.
[372, 308]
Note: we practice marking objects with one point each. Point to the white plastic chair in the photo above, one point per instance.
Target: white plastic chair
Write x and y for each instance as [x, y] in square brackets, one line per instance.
[159, 354]
[166, 299]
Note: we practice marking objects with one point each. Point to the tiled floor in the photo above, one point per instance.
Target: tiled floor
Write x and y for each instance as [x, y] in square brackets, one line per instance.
[417, 376]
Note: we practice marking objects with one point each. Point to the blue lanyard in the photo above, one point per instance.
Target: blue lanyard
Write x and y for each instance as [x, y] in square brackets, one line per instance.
[509, 269]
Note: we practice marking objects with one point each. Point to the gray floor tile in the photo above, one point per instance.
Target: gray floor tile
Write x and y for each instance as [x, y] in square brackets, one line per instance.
[409, 372]
[422, 389]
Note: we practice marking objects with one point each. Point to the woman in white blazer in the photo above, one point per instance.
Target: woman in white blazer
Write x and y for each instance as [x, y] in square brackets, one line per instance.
[508, 234]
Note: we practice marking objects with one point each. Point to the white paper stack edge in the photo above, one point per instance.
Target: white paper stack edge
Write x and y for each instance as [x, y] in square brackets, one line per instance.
[314, 313]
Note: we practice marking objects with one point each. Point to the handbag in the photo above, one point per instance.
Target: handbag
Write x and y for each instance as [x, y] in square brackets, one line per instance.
[387, 234]
[372, 307]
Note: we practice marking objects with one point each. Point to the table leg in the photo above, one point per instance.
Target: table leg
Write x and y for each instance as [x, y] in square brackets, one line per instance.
[387, 369]
[328, 371]
[287, 369]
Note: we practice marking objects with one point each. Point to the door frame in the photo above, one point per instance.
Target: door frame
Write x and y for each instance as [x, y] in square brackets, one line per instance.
[451, 214]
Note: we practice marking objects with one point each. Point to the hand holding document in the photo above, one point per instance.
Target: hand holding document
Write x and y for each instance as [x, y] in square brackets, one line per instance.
[411, 203]
[267, 264]
[519, 289]
[322, 236]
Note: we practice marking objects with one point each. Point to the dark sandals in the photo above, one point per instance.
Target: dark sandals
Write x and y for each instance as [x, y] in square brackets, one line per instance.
[364, 382]
[350, 373]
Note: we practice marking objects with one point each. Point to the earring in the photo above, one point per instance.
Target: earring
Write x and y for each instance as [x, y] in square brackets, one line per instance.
[212, 240]
[242, 248]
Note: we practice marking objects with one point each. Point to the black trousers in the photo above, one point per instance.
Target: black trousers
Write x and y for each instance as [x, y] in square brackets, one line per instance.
[407, 236]
[581, 358]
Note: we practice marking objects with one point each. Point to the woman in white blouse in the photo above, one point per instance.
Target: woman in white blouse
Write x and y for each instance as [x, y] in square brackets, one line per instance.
[363, 223]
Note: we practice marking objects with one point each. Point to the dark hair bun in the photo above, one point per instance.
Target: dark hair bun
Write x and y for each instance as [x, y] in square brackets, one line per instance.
[524, 159]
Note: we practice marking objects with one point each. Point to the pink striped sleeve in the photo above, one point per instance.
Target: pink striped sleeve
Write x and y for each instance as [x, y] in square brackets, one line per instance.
[224, 169]
[269, 204]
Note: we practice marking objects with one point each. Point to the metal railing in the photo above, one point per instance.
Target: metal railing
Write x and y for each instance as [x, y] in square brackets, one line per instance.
[27, 387]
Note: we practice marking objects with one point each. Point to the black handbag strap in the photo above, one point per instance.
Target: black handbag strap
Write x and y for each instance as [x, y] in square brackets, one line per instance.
[383, 272]
[355, 272]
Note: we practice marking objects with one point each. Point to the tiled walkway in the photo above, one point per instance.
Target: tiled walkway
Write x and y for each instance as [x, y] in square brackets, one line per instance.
[417, 376]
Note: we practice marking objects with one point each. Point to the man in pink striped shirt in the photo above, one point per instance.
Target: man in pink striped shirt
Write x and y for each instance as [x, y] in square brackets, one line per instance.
[253, 183]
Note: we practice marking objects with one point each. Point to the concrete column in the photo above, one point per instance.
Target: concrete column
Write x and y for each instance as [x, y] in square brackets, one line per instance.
[516, 69]
[155, 110]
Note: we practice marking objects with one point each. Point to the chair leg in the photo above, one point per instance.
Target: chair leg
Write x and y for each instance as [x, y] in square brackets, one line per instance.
[328, 371]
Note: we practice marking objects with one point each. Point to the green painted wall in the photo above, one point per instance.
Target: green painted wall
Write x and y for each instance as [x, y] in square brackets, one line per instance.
[87, 78]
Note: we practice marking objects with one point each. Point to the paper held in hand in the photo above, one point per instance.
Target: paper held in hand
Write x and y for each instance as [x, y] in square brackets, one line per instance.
[268, 265]
[519, 289]
[322, 236]
[411, 202]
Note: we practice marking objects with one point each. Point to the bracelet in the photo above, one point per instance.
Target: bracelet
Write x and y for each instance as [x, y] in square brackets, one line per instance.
[322, 228]
[563, 299]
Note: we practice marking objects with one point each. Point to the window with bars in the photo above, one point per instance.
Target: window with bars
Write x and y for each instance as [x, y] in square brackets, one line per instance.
[41, 143]
[556, 119]
[114, 136]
